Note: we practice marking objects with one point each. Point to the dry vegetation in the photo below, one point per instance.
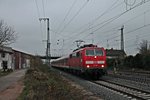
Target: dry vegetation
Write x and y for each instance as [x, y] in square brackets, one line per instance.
[41, 83]
[4, 73]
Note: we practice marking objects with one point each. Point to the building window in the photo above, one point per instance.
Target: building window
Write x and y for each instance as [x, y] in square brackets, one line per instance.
[5, 63]
[3, 55]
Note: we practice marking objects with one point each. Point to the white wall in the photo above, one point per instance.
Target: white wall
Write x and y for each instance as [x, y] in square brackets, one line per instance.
[27, 63]
[8, 58]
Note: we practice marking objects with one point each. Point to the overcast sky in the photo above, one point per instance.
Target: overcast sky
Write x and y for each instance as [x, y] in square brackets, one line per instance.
[93, 21]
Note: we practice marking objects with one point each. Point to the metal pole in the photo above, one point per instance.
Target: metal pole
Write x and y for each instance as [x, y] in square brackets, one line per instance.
[122, 39]
[48, 55]
[48, 42]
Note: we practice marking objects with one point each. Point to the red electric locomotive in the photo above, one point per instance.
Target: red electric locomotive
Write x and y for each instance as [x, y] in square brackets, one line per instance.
[88, 59]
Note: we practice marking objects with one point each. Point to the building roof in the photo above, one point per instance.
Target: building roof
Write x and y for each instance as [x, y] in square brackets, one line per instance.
[115, 53]
[22, 52]
[6, 49]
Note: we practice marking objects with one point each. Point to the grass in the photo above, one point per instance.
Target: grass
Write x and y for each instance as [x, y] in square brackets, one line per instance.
[43, 84]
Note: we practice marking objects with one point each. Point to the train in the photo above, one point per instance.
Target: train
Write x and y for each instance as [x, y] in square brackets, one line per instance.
[89, 60]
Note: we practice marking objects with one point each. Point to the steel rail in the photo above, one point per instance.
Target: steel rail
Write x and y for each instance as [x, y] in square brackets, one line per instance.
[126, 90]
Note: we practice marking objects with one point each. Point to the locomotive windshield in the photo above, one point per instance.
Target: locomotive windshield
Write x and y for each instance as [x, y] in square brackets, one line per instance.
[94, 52]
[89, 52]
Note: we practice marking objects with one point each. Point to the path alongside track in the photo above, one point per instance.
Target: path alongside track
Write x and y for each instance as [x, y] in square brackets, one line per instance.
[12, 85]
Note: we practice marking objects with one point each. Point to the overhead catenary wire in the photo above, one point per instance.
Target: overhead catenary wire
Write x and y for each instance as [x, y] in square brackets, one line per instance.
[101, 16]
[80, 9]
[116, 17]
[136, 44]
[94, 20]
[131, 46]
[141, 27]
[107, 10]
[146, 35]
[144, 26]
[43, 7]
[38, 14]
[38, 11]
[65, 18]
[106, 22]
[139, 15]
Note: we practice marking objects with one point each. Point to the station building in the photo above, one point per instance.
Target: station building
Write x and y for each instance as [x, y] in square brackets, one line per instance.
[14, 59]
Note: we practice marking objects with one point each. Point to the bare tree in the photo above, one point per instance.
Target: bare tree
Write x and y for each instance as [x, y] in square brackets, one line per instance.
[144, 48]
[7, 34]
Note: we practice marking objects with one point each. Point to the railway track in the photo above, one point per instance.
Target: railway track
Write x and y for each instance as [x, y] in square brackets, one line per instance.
[131, 93]
[109, 89]
[133, 77]
[136, 72]
[145, 74]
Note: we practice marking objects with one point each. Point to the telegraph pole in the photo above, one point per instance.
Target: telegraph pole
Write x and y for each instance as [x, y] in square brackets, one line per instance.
[48, 55]
[122, 38]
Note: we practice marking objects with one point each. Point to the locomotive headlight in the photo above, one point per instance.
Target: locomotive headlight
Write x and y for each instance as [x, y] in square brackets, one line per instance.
[88, 66]
[102, 66]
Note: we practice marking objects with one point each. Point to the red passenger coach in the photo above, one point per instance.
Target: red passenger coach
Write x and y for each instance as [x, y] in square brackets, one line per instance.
[88, 59]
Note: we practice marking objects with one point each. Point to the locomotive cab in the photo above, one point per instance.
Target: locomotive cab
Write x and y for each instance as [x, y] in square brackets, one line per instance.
[94, 58]
[94, 61]
[88, 59]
